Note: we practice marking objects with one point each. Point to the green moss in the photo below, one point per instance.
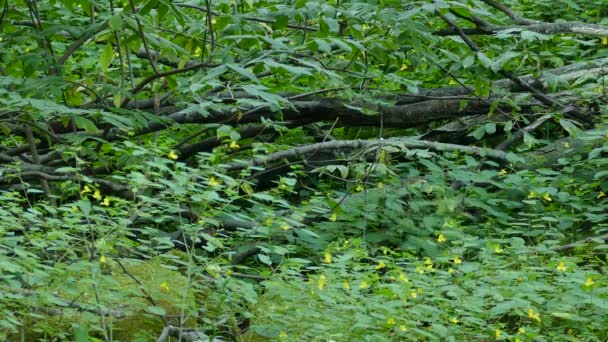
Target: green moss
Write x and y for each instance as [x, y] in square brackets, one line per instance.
[119, 293]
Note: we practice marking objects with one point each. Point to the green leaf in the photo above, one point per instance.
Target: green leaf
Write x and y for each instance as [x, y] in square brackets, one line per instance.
[569, 126]
[105, 59]
[86, 124]
[157, 310]
[115, 22]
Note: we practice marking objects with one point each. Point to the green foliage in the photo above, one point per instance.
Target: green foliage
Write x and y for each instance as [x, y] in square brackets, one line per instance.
[135, 195]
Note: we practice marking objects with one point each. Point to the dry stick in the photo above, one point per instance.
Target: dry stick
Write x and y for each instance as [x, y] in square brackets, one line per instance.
[514, 16]
[354, 144]
[143, 37]
[36, 157]
[581, 242]
[520, 134]
[535, 92]
[77, 44]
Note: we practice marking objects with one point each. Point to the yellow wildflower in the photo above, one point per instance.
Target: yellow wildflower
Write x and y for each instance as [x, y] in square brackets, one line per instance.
[454, 320]
[103, 259]
[359, 188]
[517, 339]
[503, 172]
[457, 261]
[589, 282]
[601, 194]
[380, 265]
[404, 67]
[285, 226]
[390, 321]
[74, 209]
[497, 333]
[566, 145]
[419, 269]
[164, 286]
[403, 278]
[172, 155]
[547, 197]
[106, 201]
[233, 145]
[451, 271]
[364, 27]
[268, 221]
[533, 315]
[498, 250]
[403, 328]
[380, 185]
[532, 194]
[345, 285]
[605, 41]
[85, 190]
[420, 290]
[333, 217]
[321, 282]
[283, 334]
[363, 284]
[561, 267]
[97, 195]
[452, 82]
[440, 238]
[327, 258]
[521, 331]
[428, 261]
[413, 294]
[213, 182]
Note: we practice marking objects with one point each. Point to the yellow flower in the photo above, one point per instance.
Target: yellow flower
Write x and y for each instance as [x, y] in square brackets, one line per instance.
[497, 333]
[359, 188]
[364, 27]
[413, 294]
[547, 197]
[333, 217]
[454, 320]
[233, 145]
[420, 290]
[403, 328]
[521, 331]
[380, 265]
[97, 195]
[321, 282]
[533, 315]
[106, 201]
[268, 221]
[213, 21]
[85, 190]
[457, 261]
[561, 267]
[589, 282]
[229, 273]
[440, 238]
[363, 284]
[517, 339]
[173, 155]
[428, 261]
[451, 271]
[601, 194]
[419, 269]
[164, 286]
[285, 226]
[503, 172]
[403, 278]
[566, 145]
[532, 194]
[404, 67]
[213, 182]
[390, 321]
[605, 41]
[283, 334]
[345, 285]
[380, 185]
[74, 209]
[103, 259]
[452, 82]
[327, 258]
[498, 250]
